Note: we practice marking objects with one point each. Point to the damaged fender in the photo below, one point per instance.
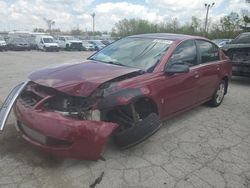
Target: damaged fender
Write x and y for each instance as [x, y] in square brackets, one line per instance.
[122, 97]
[9, 102]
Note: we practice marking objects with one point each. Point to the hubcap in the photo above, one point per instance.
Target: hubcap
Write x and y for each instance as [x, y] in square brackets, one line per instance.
[220, 93]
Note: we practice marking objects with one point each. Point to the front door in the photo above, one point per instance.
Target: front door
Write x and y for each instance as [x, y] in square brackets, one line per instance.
[181, 89]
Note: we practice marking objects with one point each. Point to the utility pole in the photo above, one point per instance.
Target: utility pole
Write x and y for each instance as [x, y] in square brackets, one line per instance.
[207, 6]
[49, 23]
[93, 16]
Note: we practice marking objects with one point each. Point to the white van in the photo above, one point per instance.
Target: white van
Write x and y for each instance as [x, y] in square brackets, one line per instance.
[46, 43]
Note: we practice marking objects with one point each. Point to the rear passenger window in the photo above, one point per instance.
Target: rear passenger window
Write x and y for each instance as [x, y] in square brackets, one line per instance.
[186, 53]
[209, 52]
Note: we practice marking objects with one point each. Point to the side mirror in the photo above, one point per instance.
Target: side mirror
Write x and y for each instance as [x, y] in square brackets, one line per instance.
[177, 68]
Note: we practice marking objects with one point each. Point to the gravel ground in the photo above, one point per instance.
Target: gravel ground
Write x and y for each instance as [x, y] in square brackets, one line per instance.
[205, 147]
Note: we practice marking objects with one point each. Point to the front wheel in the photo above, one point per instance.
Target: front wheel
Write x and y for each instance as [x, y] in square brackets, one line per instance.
[218, 95]
[137, 121]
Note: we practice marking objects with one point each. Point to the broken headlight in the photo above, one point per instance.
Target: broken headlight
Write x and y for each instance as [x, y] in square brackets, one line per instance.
[93, 115]
[75, 107]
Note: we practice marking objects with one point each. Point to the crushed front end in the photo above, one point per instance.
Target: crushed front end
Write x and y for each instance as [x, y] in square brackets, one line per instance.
[60, 124]
[240, 57]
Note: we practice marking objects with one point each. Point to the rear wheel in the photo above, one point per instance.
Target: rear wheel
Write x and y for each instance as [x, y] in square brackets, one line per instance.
[218, 95]
[67, 47]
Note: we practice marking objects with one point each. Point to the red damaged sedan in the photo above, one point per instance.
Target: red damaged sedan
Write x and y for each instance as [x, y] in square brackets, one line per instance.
[124, 90]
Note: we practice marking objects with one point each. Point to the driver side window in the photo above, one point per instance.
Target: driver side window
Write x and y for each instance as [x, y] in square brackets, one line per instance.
[186, 53]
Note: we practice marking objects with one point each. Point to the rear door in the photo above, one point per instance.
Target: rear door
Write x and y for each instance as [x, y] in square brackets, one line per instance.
[181, 88]
[209, 69]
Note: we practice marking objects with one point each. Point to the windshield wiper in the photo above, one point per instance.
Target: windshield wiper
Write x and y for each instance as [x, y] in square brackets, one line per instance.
[91, 58]
[108, 62]
[115, 63]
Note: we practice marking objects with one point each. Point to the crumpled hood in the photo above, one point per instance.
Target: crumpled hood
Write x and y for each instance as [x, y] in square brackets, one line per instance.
[79, 79]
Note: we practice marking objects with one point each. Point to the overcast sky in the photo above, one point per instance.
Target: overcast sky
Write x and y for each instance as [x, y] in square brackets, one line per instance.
[68, 14]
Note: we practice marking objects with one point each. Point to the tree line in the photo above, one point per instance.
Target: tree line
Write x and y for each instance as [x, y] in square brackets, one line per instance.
[228, 26]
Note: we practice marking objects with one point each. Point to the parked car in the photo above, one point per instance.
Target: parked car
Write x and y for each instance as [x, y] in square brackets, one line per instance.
[222, 42]
[88, 46]
[32, 41]
[239, 52]
[3, 45]
[46, 43]
[105, 42]
[125, 89]
[69, 43]
[17, 43]
[98, 44]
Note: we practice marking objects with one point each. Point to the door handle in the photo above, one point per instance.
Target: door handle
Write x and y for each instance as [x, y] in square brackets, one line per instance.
[217, 67]
[197, 76]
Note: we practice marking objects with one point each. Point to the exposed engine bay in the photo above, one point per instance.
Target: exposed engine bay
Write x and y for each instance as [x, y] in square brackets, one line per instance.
[82, 108]
[239, 55]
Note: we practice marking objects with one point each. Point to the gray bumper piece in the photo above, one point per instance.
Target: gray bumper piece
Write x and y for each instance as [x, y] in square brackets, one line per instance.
[9, 102]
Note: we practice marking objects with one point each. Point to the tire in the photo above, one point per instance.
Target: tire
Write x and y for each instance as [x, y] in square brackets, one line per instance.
[67, 47]
[137, 133]
[218, 95]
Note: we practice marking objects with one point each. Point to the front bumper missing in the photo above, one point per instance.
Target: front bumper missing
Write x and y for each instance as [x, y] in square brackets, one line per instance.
[9, 102]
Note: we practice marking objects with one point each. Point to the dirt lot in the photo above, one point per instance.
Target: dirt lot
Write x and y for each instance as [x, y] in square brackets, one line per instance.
[205, 147]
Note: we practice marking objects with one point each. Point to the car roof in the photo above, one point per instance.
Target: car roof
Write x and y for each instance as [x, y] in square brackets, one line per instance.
[94, 40]
[166, 36]
[45, 36]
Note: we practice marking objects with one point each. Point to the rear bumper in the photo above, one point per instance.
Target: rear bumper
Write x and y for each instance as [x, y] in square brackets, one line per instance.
[76, 46]
[20, 47]
[52, 48]
[3, 47]
[64, 137]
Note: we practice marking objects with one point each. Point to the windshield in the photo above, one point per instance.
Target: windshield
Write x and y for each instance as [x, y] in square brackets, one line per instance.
[142, 53]
[48, 40]
[242, 38]
[19, 40]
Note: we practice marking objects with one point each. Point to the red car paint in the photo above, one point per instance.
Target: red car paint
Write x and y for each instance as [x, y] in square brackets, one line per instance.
[79, 79]
[172, 94]
[88, 138]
